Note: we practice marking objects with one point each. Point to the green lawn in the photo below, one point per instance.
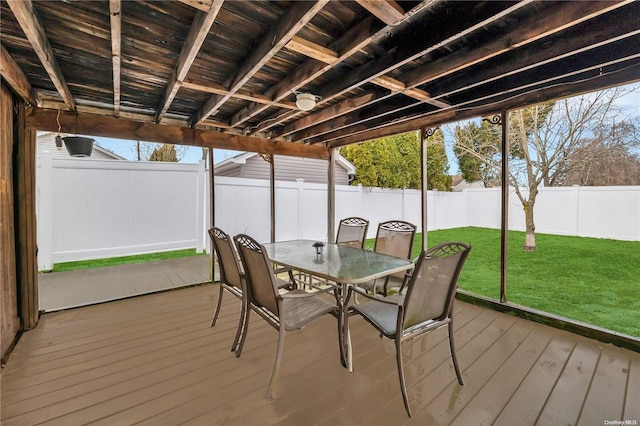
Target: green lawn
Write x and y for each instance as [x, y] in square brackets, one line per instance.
[141, 258]
[593, 280]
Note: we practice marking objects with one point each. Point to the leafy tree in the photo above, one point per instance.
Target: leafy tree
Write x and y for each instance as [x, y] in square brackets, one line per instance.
[438, 176]
[545, 140]
[477, 149]
[394, 162]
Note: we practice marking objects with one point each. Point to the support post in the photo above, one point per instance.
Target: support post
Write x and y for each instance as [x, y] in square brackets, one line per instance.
[504, 225]
[212, 209]
[200, 196]
[424, 136]
[272, 187]
[25, 220]
[331, 197]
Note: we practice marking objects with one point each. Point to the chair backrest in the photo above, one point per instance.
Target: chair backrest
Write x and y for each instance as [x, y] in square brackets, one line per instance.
[261, 285]
[227, 259]
[352, 232]
[433, 285]
[395, 238]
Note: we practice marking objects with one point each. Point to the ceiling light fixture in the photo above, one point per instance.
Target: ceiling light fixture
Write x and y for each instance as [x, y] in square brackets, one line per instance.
[305, 101]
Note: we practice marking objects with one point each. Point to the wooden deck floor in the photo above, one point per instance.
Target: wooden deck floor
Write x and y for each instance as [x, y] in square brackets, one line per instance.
[154, 360]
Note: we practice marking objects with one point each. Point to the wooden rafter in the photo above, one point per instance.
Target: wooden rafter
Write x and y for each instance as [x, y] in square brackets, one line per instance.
[122, 128]
[106, 110]
[598, 82]
[115, 9]
[395, 59]
[546, 65]
[383, 111]
[26, 16]
[240, 94]
[197, 34]
[553, 58]
[202, 5]
[348, 105]
[295, 19]
[558, 72]
[328, 56]
[353, 41]
[357, 38]
[388, 11]
[565, 15]
[13, 74]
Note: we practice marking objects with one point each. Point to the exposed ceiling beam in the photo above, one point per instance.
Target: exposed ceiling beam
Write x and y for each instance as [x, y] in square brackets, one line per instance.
[312, 50]
[357, 38]
[348, 105]
[202, 5]
[26, 17]
[484, 15]
[240, 94]
[197, 34]
[551, 54]
[298, 15]
[627, 74]
[13, 74]
[328, 56]
[115, 9]
[106, 110]
[606, 58]
[563, 16]
[388, 11]
[121, 128]
[383, 111]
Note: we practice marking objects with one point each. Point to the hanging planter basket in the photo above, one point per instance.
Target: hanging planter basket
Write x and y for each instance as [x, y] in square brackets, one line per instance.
[78, 146]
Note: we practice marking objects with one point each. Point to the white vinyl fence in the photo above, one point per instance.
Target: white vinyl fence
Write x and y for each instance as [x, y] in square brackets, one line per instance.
[89, 209]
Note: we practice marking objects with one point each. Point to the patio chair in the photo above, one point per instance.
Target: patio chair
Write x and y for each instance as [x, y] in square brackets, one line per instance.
[232, 278]
[283, 311]
[352, 232]
[426, 306]
[395, 238]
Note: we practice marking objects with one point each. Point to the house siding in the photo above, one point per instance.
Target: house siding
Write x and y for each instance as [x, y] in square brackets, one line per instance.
[46, 142]
[286, 169]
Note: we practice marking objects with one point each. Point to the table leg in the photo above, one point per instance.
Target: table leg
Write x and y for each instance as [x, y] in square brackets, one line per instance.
[345, 351]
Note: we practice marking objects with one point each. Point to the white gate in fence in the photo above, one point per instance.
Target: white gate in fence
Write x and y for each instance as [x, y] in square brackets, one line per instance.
[89, 209]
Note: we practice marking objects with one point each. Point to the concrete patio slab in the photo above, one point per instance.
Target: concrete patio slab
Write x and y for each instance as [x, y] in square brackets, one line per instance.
[70, 289]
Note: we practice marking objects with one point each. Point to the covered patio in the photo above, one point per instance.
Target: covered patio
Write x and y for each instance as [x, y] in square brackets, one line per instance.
[299, 78]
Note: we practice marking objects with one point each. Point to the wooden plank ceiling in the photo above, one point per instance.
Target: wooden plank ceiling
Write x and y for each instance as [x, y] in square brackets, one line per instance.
[226, 73]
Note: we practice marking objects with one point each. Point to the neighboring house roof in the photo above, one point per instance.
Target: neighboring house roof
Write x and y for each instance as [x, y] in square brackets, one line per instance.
[251, 165]
[45, 141]
[458, 183]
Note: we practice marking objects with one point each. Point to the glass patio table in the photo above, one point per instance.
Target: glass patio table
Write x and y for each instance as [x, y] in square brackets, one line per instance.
[341, 264]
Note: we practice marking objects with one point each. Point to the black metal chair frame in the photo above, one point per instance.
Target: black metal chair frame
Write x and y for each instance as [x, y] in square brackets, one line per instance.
[283, 311]
[414, 318]
[399, 226]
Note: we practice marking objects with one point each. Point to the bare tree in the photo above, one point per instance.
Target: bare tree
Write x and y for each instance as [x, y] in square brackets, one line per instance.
[545, 143]
[145, 150]
[612, 161]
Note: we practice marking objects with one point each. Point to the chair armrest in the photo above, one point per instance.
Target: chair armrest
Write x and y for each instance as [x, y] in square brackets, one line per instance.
[298, 294]
[353, 289]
